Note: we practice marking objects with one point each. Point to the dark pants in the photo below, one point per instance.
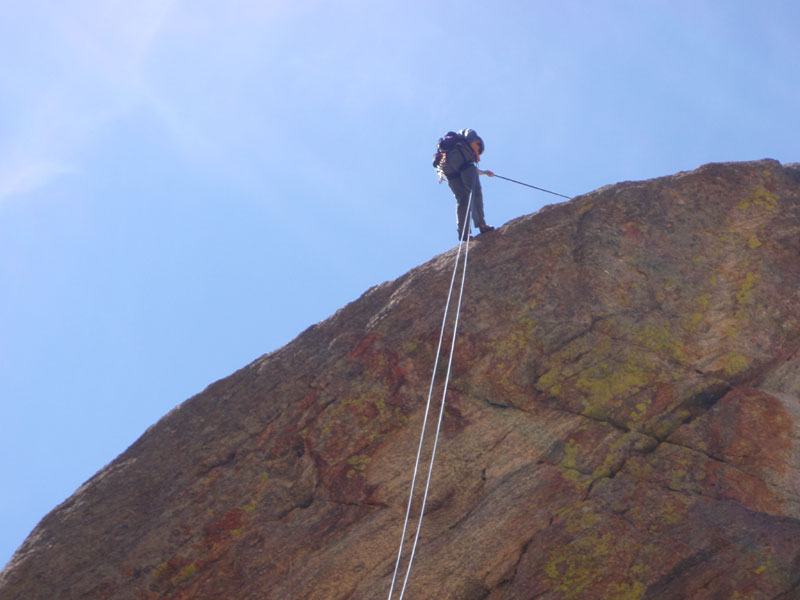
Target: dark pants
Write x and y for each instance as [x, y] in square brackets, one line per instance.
[460, 185]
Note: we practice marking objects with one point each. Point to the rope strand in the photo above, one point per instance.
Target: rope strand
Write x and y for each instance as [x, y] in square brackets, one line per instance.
[464, 236]
[425, 422]
[532, 186]
[439, 422]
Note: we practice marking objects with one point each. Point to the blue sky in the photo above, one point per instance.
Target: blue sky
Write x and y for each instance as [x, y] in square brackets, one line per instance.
[187, 185]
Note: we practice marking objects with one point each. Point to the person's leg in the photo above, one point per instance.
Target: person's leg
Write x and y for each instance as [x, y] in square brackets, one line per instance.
[469, 176]
[461, 193]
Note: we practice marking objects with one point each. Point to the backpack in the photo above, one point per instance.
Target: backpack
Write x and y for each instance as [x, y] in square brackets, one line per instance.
[450, 140]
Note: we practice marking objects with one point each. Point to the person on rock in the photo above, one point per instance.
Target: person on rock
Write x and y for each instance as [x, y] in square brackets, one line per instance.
[459, 164]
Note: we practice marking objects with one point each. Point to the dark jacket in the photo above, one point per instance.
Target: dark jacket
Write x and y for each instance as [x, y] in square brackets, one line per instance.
[461, 155]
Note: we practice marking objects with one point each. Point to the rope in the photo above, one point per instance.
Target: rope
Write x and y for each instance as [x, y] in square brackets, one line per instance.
[463, 237]
[532, 186]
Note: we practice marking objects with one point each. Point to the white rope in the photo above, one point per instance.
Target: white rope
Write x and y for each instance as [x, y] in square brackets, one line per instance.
[463, 234]
[439, 423]
[424, 424]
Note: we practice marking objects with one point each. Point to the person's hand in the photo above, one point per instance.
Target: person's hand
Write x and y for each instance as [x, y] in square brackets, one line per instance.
[489, 173]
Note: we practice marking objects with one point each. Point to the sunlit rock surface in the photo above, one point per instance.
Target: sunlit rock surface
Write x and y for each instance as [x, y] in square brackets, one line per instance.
[623, 422]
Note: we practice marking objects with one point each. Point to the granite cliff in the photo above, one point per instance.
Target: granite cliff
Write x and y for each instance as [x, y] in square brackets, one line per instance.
[623, 422]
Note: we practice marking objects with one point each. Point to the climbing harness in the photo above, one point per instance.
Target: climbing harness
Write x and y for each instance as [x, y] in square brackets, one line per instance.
[463, 241]
[532, 186]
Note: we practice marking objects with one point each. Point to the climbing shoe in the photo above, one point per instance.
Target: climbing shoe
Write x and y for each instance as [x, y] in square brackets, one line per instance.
[485, 228]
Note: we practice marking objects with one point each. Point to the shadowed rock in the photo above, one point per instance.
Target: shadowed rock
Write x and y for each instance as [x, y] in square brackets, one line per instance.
[623, 422]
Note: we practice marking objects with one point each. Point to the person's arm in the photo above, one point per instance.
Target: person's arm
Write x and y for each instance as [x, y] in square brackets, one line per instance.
[486, 172]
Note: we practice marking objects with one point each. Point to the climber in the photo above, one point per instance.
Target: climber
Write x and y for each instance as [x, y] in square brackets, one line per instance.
[456, 159]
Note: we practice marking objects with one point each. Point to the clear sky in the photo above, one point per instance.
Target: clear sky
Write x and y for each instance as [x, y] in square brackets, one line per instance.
[186, 185]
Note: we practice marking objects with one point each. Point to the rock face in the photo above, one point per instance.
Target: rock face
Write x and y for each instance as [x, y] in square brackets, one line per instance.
[623, 422]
